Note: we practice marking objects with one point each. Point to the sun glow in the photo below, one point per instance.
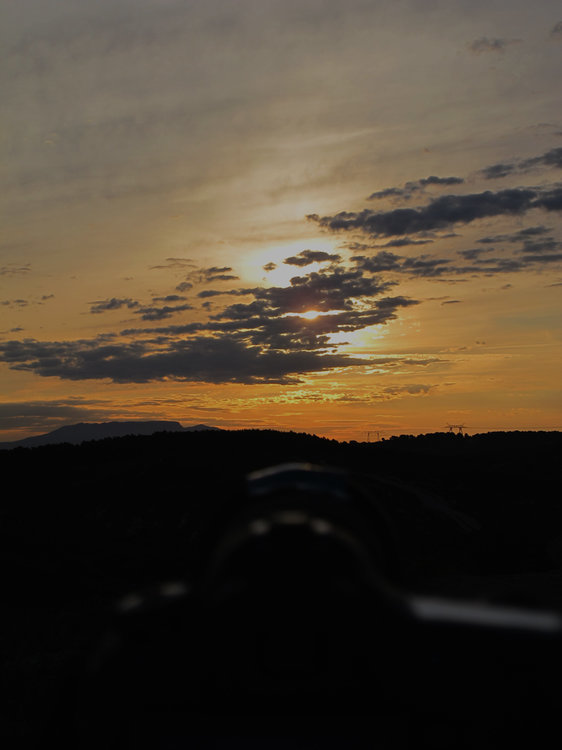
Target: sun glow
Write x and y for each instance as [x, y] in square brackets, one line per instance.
[280, 273]
[311, 314]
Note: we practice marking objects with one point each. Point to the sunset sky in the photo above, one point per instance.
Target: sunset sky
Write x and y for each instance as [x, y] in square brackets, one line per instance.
[336, 217]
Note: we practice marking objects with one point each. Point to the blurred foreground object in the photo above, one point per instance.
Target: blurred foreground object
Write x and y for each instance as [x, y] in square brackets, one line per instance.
[294, 636]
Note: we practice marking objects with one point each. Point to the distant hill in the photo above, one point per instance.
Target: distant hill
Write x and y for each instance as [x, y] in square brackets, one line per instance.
[84, 431]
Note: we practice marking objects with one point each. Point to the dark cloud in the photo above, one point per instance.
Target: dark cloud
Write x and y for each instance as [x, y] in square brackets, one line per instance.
[405, 242]
[169, 298]
[306, 257]
[408, 190]
[382, 261]
[14, 303]
[497, 171]
[359, 247]
[220, 293]
[412, 389]
[451, 302]
[425, 265]
[432, 180]
[478, 46]
[146, 312]
[529, 260]
[270, 266]
[215, 269]
[475, 252]
[550, 200]
[184, 286]
[422, 265]
[548, 245]
[552, 158]
[216, 273]
[13, 269]
[175, 263]
[393, 192]
[115, 303]
[161, 313]
[522, 234]
[204, 275]
[18, 303]
[428, 266]
[208, 359]
[442, 212]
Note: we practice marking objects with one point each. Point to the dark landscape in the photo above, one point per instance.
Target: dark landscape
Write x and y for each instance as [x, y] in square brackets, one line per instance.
[84, 525]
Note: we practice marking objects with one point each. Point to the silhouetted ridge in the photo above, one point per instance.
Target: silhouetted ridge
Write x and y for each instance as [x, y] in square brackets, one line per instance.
[84, 431]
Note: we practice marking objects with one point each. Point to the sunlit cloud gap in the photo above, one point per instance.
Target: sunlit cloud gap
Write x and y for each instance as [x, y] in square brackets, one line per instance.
[312, 314]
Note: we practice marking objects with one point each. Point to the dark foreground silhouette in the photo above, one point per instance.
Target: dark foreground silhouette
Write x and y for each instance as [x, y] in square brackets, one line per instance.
[310, 609]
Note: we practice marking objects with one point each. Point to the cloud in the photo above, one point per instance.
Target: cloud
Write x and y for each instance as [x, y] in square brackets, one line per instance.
[547, 245]
[405, 242]
[407, 191]
[522, 234]
[428, 266]
[552, 158]
[161, 313]
[169, 298]
[175, 263]
[550, 200]
[412, 389]
[270, 266]
[497, 171]
[306, 257]
[475, 253]
[146, 312]
[216, 273]
[443, 212]
[115, 303]
[556, 31]
[19, 303]
[14, 303]
[208, 359]
[13, 269]
[478, 46]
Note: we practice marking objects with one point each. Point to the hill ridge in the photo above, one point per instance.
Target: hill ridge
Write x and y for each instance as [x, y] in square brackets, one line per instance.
[84, 431]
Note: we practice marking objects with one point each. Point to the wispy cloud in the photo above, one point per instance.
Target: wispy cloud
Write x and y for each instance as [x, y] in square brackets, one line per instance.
[486, 45]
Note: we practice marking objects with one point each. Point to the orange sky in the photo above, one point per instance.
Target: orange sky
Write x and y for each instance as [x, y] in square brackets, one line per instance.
[186, 183]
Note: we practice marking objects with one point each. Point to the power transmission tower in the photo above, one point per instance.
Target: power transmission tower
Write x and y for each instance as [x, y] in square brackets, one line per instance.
[453, 427]
[373, 432]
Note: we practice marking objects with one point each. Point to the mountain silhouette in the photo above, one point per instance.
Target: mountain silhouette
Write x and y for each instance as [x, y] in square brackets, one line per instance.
[84, 431]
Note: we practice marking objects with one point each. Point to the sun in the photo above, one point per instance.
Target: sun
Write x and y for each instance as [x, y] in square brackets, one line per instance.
[309, 314]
